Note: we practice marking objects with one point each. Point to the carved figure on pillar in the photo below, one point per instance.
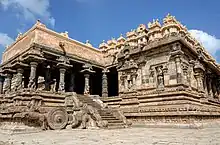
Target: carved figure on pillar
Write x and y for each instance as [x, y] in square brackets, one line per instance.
[62, 80]
[105, 83]
[178, 69]
[32, 78]
[7, 87]
[151, 76]
[87, 87]
[160, 77]
[199, 75]
[63, 65]
[87, 71]
[186, 78]
[19, 79]
[53, 85]
[40, 83]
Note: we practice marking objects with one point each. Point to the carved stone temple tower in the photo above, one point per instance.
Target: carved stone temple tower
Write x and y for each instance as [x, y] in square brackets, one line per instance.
[154, 74]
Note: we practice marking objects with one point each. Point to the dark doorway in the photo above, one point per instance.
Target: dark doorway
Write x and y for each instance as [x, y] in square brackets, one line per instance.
[113, 82]
[96, 82]
[79, 80]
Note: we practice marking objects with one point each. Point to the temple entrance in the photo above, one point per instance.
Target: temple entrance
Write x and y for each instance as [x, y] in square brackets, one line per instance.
[79, 80]
[96, 82]
[113, 82]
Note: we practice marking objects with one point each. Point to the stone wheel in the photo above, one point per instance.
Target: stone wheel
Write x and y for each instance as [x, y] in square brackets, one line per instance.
[57, 118]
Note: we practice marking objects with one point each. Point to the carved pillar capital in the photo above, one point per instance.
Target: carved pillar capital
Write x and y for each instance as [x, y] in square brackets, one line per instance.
[104, 71]
[33, 64]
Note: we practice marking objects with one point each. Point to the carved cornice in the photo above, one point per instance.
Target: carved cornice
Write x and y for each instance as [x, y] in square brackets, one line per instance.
[87, 68]
[128, 65]
[34, 54]
[63, 62]
[7, 69]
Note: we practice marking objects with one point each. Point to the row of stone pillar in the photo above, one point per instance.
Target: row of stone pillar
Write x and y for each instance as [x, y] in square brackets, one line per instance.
[32, 80]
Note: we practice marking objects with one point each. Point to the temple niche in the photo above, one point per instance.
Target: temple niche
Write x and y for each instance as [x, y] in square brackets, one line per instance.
[156, 73]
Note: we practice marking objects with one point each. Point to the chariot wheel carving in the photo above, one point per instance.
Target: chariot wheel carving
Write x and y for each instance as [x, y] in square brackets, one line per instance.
[57, 118]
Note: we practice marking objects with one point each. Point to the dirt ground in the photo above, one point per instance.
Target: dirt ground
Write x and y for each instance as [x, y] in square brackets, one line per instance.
[128, 136]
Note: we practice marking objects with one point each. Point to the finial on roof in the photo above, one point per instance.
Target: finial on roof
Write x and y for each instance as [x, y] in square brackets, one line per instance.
[65, 34]
[19, 36]
[170, 19]
[38, 23]
[103, 45]
[88, 43]
[154, 24]
[121, 38]
[149, 24]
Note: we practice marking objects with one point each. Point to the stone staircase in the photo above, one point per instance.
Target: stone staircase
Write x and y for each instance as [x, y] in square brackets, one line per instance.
[105, 113]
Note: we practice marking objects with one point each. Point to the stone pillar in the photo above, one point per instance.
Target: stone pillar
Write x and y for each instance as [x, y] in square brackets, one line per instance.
[205, 85]
[87, 87]
[32, 78]
[210, 93]
[87, 70]
[178, 69]
[104, 83]
[72, 82]
[19, 78]
[62, 80]
[1, 84]
[7, 87]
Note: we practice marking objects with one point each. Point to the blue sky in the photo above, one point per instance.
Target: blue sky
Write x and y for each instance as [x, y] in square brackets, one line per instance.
[98, 20]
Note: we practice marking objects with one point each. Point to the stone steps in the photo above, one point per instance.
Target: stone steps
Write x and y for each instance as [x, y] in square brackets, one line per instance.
[105, 114]
[115, 121]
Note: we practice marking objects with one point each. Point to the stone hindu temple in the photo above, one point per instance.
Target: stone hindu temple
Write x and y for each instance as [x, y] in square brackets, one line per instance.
[155, 74]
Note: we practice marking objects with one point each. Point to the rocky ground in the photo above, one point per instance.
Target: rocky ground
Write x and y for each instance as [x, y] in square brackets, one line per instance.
[128, 136]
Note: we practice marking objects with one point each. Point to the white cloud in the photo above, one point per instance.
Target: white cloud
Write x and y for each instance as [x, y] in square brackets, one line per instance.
[211, 43]
[5, 39]
[30, 9]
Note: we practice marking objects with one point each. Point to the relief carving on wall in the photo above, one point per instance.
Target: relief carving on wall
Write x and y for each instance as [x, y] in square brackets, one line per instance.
[157, 73]
[160, 77]
[129, 72]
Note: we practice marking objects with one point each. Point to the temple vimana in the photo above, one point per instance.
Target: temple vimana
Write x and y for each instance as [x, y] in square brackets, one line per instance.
[156, 74]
